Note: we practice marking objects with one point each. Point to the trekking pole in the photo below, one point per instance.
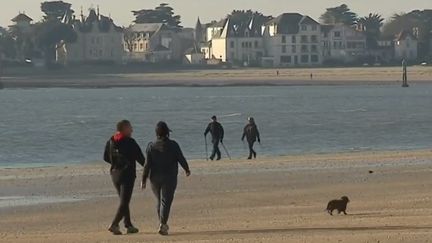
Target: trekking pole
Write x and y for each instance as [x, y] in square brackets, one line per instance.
[226, 151]
[206, 148]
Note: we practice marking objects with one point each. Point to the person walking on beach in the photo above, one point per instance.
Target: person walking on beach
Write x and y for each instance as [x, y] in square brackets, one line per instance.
[251, 133]
[122, 152]
[217, 132]
[163, 157]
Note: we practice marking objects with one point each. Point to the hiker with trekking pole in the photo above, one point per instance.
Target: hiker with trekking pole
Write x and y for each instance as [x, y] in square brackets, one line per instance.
[217, 133]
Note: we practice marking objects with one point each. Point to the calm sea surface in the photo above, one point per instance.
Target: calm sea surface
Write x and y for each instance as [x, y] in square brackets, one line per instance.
[53, 126]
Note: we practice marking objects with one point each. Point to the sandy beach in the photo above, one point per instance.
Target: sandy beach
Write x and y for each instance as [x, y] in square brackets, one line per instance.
[117, 77]
[269, 200]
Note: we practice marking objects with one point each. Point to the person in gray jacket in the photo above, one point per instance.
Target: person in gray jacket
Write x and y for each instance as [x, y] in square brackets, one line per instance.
[251, 133]
[163, 157]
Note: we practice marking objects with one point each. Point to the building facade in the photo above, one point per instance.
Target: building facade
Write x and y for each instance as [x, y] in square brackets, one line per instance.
[292, 39]
[342, 43]
[98, 40]
[240, 43]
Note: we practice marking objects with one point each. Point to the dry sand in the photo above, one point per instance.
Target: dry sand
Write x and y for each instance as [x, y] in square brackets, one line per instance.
[268, 200]
[224, 77]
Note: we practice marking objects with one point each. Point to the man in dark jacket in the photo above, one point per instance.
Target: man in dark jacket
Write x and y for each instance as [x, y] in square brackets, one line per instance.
[163, 157]
[252, 134]
[217, 132]
[122, 152]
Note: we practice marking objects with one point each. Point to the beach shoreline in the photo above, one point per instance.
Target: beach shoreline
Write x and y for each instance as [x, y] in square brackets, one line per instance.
[272, 199]
[222, 77]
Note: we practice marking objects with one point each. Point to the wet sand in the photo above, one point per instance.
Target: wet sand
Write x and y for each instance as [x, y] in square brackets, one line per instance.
[220, 77]
[269, 200]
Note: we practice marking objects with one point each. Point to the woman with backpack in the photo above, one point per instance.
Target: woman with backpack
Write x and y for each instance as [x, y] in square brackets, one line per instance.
[122, 152]
[163, 157]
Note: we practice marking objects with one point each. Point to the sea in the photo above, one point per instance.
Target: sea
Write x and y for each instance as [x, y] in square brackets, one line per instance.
[60, 126]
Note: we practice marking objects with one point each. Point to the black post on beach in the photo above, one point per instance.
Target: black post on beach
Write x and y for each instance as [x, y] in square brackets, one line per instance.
[404, 74]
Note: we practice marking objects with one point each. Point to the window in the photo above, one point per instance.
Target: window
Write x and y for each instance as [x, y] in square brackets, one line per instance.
[314, 58]
[135, 46]
[314, 48]
[314, 27]
[283, 39]
[250, 44]
[285, 59]
[304, 39]
[256, 44]
[304, 27]
[293, 39]
[232, 44]
[293, 49]
[314, 39]
[284, 49]
[304, 58]
[141, 46]
[304, 48]
[337, 34]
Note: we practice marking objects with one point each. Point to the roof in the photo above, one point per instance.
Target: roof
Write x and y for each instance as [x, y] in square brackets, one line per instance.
[250, 28]
[147, 27]
[289, 23]
[22, 18]
[103, 23]
[404, 34]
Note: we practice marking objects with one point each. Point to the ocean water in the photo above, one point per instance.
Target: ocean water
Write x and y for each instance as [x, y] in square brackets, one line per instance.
[52, 126]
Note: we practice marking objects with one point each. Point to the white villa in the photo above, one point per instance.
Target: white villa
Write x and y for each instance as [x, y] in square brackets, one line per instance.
[98, 40]
[239, 43]
[292, 39]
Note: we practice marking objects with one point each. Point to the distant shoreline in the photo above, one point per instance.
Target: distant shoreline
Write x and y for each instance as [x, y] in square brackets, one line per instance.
[220, 78]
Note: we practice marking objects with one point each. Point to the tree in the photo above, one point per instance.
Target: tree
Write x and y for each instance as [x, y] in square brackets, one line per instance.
[371, 25]
[129, 38]
[55, 30]
[339, 15]
[57, 10]
[161, 14]
[243, 16]
[7, 44]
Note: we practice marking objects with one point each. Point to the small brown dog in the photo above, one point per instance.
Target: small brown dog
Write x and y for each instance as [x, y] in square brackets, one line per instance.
[339, 204]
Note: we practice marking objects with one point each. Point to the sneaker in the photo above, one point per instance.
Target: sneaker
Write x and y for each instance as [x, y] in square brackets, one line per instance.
[115, 230]
[163, 229]
[132, 230]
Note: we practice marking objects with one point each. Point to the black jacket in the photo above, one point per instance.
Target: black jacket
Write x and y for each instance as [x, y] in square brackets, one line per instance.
[216, 130]
[163, 157]
[130, 149]
[251, 133]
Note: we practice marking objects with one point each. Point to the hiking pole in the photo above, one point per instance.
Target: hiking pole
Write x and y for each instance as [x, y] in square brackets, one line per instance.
[206, 148]
[226, 151]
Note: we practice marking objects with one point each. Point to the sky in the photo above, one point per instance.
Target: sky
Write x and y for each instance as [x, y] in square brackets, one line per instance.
[207, 10]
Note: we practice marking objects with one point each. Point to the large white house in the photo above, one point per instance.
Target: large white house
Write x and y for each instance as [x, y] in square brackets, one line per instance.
[240, 43]
[98, 40]
[342, 43]
[292, 39]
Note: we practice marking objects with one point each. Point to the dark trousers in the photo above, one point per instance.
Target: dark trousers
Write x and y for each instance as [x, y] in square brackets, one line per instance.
[252, 152]
[216, 151]
[164, 189]
[124, 186]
